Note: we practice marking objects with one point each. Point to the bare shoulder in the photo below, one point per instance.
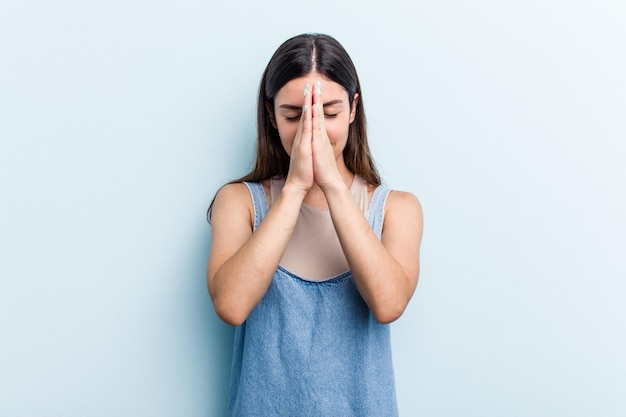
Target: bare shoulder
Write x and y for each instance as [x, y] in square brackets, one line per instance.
[403, 219]
[404, 204]
[232, 199]
[235, 190]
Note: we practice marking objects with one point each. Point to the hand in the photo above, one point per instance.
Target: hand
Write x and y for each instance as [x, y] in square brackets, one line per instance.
[301, 158]
[325, 169]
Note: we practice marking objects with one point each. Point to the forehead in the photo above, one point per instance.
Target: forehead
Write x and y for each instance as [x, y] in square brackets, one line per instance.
[292, 92]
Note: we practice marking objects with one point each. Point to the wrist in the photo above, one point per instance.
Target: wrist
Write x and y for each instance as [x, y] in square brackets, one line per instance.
[334, 188]
[293, 192]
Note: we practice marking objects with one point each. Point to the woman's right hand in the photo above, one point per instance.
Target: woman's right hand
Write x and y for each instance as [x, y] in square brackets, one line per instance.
[243, 261]
[300, 174]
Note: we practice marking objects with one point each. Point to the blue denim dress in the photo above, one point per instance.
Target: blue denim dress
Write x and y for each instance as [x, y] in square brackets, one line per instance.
[312, 348]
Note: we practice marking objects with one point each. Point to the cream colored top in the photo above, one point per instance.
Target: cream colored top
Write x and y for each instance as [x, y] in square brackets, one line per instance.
[313, 251]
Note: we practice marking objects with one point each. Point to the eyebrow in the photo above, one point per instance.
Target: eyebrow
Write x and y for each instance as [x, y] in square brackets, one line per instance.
[292, 107]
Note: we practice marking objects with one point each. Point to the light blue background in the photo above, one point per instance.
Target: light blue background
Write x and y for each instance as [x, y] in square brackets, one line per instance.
[120, 119]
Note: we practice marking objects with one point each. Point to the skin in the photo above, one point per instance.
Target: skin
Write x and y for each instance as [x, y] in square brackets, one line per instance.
[242, 263]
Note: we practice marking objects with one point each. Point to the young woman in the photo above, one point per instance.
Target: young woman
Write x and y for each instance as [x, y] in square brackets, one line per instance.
[311, 256]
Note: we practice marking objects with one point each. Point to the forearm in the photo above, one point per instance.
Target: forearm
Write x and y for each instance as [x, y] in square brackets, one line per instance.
[381, 280]
[241, 281]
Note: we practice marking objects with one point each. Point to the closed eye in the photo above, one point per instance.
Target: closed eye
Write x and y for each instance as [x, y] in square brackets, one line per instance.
[297, 118]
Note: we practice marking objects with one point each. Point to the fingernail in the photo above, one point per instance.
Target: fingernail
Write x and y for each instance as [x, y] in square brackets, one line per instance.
[306, 89]
[319, 87]
[305, 108]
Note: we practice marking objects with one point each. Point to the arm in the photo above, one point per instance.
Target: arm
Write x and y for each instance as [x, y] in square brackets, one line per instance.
[385, 271]
[242, 262]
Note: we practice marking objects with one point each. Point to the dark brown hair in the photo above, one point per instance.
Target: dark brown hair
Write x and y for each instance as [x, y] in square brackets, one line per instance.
[297, 57]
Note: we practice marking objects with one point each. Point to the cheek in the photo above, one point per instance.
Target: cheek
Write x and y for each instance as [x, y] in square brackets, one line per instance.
[287, 133]
[337, 130]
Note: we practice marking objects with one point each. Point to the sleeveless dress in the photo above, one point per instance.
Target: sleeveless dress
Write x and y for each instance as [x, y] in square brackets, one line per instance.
[312, 348]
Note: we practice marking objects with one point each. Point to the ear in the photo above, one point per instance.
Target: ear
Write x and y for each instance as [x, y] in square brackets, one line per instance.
[355, 100]
[270, 111]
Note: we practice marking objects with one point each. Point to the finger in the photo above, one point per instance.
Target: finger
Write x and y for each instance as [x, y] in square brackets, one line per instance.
[306, 117]
[320, 101]
[305, 107]
[318, 104]
[315, 115]
[319, 120]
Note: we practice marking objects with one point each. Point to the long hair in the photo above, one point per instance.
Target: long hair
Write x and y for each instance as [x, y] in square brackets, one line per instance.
[297, 57]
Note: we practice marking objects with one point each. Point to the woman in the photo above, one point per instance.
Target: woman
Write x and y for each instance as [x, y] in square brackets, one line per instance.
[311, 256]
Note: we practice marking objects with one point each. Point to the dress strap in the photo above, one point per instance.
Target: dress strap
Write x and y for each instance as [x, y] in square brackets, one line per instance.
[259, 200]
[376, 211]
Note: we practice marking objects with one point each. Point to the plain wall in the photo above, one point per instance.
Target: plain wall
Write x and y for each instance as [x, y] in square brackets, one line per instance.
[119, 120]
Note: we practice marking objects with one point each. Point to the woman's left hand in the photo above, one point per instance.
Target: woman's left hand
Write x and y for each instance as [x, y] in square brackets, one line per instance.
[325, 169]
